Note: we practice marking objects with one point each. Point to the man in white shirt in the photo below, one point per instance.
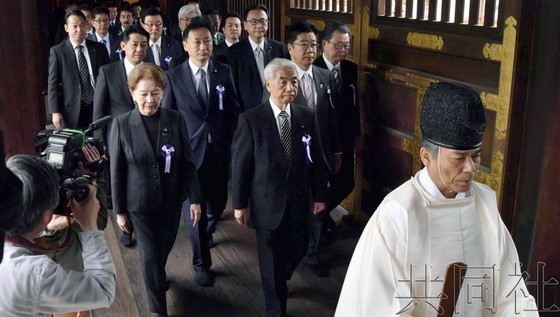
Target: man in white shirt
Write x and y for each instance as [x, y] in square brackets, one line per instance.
[162, 48]
[102, 35]
[231, 28]
[439, 217]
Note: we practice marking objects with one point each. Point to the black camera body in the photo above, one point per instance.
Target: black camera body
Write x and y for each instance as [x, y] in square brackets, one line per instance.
[64, 151]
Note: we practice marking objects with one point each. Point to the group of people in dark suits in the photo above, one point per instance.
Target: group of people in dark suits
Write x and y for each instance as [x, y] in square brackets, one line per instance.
[182, 131]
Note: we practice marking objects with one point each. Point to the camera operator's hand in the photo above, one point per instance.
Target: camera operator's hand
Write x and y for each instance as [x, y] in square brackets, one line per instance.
[58, 121]
[85, 212]
[124, 223]
[59, 222]
[92, 155]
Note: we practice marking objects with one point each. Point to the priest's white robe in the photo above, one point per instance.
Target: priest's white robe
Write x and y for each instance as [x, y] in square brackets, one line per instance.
[399, 264]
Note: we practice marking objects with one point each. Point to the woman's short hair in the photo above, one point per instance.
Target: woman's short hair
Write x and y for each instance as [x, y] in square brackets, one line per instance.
[146, 71]
[39, 192]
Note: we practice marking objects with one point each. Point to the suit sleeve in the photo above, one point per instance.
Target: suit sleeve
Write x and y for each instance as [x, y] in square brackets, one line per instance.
[101, 101]
[334, 128]
[192, 186]
[118, 167]
[319, 169]
[234, 106]
[54, 83]
[242, 164]
[168, 100]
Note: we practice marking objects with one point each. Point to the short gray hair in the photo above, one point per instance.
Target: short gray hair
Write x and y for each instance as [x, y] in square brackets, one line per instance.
[273, 67]
[429, 146]
[188, 8]
[39, 193]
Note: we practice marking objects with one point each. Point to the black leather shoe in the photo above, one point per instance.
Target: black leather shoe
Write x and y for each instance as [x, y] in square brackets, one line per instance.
[318, 270]
[204, 278]
[126, 240]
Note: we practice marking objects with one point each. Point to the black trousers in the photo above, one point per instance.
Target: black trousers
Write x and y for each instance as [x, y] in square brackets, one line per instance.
[213, 179]
[156, 231]
[280, 251]
[341, 185]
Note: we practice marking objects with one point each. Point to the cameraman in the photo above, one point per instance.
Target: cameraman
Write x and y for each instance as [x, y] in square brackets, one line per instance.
[34, 285]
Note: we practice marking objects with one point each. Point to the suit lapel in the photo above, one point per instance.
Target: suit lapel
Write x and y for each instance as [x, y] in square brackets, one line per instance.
[123, 81]
[320, 85]
[141, 136]
[270, 128]
[189, 83]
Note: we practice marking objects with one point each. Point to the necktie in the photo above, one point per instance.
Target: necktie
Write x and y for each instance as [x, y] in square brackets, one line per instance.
[260, 62]
[335, 72]
[202, 89]
[285, 136]
[308, 91]
[155, 51]
[87, 88]
[104, 42]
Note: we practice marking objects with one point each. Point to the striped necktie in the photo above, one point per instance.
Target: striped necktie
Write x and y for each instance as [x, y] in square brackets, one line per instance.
[87, 88]
[308, 91]
[285, 129]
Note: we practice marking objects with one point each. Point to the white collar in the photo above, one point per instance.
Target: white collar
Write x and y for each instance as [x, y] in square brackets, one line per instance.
[255, 45]
[74, 44]
[301, 72]
[330, 65]
[158, 42]
[99, 38]
[277, 110]
[194, 68]
[128, 66]
[228, 43]
[430, 187]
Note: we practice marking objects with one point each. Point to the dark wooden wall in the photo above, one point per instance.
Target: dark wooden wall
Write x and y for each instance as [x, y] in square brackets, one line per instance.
[23, 69]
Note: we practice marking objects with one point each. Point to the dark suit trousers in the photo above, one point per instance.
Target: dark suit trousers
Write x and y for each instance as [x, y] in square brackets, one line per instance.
[341, 185]
[213, 185]
[156, 231]
[280, 252]
[86, 116]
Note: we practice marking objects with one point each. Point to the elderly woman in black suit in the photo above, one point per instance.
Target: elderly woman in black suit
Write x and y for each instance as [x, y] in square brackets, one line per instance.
[151, 175]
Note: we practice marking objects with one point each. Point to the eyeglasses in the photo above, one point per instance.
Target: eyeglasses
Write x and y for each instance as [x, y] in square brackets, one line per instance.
[102, 21]
[255, 21]
[185, 19]
[306, 45]
[339, 46]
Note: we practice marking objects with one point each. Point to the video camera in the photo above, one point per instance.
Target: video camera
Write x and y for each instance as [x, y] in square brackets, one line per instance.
[63, 149]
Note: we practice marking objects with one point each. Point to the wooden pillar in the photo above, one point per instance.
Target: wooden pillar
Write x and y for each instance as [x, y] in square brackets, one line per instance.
[23, 68]
[537, 211]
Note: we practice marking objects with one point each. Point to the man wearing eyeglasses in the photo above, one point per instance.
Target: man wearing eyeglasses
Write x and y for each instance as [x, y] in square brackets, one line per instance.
[316, 92]
[336, 45]
[162, 49]
[249, 57]
[101, 24]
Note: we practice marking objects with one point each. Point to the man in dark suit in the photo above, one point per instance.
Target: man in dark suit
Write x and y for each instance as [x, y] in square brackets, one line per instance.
[162, 49]
[73, 65]
[124, 19]
[336, 45]
[315, 91]
[278, 170]
[231, 27]
[204, 93]
[248, 57]
[102, 35]
[112, 96]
